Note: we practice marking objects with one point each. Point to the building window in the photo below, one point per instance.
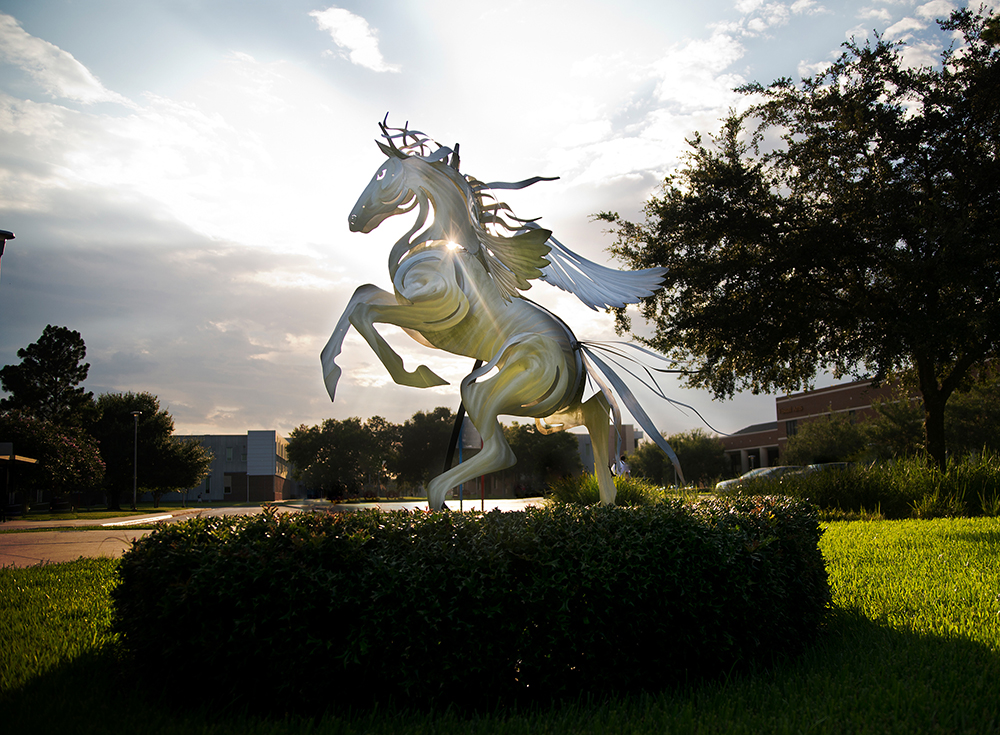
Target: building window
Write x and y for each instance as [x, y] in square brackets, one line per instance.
[243, 455]
[229, 453]
[792, 427]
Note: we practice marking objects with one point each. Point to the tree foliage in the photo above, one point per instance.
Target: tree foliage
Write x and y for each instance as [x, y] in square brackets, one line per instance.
[68, 457]
[972, 419]
[45, 383]
[164, 464]
[846, 222]
[829, 439]
[972, 425]
[341, 457]
[542, 458]
[702, 457]
[423, 446]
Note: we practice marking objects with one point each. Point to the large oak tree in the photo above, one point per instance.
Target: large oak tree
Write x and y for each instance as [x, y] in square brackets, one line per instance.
[847, 222]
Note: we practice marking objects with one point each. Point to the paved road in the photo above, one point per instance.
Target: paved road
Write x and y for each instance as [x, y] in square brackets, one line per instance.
[40, 547]
[69, 540]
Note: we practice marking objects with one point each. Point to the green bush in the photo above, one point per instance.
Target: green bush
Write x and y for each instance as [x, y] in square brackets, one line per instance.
[906, 488]
[583, 490]
[882, 490]
[467, 607]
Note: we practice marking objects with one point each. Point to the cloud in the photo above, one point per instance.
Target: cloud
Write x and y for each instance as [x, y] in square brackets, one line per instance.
[935, 9]
[807, 6]
[806, 69]
[352, 33]
[904, 28]
[882, 15]
[58, 73]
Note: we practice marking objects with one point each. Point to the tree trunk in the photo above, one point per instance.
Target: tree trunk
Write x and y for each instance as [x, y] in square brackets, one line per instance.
[936, 394]
[934, 429]
[114, 499]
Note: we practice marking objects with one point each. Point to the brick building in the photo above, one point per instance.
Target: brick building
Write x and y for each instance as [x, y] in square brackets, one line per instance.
[762, 445]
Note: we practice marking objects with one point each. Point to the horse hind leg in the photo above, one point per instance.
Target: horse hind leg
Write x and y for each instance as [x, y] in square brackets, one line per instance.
[532, 370]
[595, 418]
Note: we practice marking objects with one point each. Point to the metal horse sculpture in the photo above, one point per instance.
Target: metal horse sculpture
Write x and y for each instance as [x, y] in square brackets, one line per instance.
[456, 286]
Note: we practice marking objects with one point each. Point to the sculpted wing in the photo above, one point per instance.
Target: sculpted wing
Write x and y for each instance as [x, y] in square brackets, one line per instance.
[597, 286]
[534, 253]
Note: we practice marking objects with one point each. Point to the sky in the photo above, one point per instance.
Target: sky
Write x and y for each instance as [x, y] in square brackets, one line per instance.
[179, 174]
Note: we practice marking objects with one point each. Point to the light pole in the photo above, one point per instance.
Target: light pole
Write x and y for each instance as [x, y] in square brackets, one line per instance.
[135, 457]
[5, 235]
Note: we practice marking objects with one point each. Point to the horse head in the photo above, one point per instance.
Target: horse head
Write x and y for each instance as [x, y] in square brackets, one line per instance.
[414, 175]
[387, 194]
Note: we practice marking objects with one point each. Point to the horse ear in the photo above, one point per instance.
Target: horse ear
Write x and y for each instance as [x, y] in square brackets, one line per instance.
[391, 152]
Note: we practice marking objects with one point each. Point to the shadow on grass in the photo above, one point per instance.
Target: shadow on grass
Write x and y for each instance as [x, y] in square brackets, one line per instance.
[859, 677]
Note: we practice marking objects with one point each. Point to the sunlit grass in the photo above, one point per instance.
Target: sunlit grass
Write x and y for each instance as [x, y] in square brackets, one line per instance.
[940, 577]
[52, 614]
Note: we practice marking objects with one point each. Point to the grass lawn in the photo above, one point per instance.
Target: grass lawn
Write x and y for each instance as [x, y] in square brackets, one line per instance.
[912, 646]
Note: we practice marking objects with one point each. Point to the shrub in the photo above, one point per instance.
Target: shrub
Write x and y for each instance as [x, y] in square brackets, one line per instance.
[467, 607]
[882, 490]
[900, 489]
[583, 490]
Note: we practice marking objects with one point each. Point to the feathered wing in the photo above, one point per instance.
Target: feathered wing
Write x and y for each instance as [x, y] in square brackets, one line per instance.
[513, 261]
[597, 286]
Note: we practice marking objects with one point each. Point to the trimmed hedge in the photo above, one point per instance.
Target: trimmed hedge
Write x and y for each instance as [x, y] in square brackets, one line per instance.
[469, 607]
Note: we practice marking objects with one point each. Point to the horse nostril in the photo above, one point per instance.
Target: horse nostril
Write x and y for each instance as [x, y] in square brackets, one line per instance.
[352, 219]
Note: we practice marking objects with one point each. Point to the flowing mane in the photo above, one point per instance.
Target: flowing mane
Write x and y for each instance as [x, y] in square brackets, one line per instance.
[514, 250]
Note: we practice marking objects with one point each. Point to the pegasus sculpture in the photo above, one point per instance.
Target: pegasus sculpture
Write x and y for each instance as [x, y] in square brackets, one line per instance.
[457, 282]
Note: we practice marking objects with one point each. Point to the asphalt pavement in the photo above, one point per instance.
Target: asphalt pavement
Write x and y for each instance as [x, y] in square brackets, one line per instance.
[43, 542]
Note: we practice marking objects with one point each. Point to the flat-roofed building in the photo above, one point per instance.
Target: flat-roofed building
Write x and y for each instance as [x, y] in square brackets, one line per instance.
[251, 467]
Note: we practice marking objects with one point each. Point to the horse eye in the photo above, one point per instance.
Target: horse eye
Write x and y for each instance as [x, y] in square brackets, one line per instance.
[380, 175]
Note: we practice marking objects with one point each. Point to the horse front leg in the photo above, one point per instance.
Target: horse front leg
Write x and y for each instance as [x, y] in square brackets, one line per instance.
[357, 314]
[331, 370]
[430, 302]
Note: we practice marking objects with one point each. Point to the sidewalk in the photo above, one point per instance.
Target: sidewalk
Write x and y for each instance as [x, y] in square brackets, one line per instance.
[151, 517]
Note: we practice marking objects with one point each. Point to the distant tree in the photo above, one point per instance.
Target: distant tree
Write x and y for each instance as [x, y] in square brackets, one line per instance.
[178, 464]
[45, 383]
[896, 429]
[833, 438]
[846, 222]
[68, 457]
[303, 447]
[423, 446]
[341, 457]
[702, 457]
[542, 458]
[164, 463]
[650, 462]
[972, 421]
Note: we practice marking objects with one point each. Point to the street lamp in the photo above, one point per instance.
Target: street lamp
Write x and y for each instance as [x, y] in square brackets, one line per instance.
[135, 457]
[5, 235]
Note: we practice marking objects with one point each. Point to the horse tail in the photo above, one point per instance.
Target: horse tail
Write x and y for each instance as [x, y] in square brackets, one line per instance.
[607, 379]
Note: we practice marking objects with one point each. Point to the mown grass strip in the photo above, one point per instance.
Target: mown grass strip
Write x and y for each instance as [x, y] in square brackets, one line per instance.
[912, 646]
